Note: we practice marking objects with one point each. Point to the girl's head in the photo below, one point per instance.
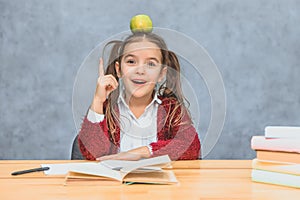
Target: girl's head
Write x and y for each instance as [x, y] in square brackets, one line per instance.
[142, 60]
[140, 67]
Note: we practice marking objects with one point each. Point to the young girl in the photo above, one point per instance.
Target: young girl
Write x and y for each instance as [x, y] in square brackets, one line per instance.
[131, 117]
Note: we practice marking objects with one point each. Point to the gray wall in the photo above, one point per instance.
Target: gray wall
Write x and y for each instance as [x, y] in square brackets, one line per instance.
[254, 43]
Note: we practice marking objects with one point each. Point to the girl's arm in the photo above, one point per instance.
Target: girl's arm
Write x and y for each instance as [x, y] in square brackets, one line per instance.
[94, 139]
[184, 143]
[184, 146]
[134, 154]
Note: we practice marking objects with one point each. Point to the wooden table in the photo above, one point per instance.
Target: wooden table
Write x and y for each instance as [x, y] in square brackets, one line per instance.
[201, 179]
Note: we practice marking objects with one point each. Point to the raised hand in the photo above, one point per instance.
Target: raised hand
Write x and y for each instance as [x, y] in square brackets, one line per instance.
[105, 85]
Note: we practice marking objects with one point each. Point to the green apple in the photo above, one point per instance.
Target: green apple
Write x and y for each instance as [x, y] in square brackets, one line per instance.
[141, 23]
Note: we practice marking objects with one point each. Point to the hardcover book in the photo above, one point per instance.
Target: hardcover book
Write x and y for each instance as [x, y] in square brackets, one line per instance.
[278, 156]
[275, 144]
[285, 174]
[282, 132]
[275, 178]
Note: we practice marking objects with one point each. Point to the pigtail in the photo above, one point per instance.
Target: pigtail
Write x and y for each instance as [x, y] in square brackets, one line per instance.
[112, 119]
[173, 85]
[113, 57]
[172, 89]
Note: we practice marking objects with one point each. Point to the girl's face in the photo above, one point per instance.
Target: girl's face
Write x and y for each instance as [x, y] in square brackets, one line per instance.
[141, 68]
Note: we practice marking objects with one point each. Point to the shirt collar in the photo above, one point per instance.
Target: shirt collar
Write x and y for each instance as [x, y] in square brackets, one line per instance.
[122, 99]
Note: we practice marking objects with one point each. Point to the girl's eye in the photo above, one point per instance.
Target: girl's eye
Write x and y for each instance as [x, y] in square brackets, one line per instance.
[151, 64]
[130, 61]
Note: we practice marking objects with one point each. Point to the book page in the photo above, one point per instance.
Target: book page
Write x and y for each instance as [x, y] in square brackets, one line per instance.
[116, 164]
[97, 170]
[156, 161]
[163, 177]
[63, 168]
[120, 164]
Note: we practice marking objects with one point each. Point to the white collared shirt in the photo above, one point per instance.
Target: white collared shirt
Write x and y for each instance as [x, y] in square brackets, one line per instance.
[134, 132]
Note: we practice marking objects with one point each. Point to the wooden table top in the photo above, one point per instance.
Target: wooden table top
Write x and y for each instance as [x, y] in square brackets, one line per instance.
[199, 179]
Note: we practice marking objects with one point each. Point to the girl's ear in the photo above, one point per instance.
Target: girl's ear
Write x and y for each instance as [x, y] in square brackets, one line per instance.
[162, 74]
[117, 67]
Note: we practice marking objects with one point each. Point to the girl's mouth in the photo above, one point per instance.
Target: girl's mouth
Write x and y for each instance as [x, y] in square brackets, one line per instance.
[139, 82]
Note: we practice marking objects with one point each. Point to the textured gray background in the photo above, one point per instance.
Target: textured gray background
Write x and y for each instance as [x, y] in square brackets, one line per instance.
[254, 43]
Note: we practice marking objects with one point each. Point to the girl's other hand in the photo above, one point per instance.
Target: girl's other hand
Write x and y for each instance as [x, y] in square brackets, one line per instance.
[134, 154]
[105, 85]
[121, 156]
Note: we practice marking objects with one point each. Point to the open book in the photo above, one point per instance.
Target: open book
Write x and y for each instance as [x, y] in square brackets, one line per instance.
[142, 171]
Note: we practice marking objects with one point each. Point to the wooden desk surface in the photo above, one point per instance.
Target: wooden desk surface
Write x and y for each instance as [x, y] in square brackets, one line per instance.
[201, 179]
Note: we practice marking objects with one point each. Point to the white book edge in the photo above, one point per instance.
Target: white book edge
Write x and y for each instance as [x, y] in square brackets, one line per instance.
[275, 144]
[282, 132]
[275, 178]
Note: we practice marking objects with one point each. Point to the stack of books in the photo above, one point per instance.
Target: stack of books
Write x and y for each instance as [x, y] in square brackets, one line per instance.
[277, 156]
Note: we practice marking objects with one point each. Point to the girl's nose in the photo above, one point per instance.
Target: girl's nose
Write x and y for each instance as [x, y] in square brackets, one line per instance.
[141, 69]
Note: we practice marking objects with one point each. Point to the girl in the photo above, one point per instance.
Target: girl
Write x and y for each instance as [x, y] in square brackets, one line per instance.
[131, 117]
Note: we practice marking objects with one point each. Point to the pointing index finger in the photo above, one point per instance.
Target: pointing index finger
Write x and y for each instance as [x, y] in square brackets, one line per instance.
[101, 67]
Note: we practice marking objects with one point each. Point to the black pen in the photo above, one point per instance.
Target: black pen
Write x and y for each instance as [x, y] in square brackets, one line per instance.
[30, 170]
